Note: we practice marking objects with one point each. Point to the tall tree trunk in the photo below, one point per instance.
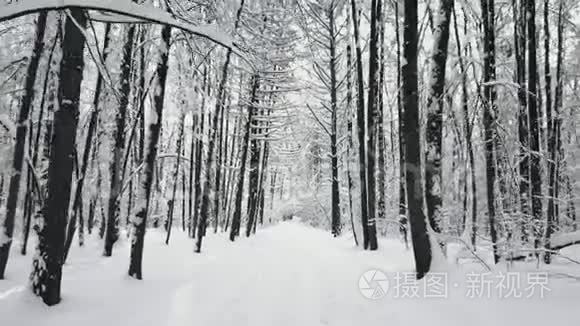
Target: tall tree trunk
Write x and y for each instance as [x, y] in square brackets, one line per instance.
[254, 173]
[435, 107]
[192, 169]
[30, 191]
[47, 265]
[183, 188]
[555, 142]
[490, 114]
[36, 149]
[199, 154]
[175, 177]
[21, 130]
[380, 131]
[28, 204]
[264, 174]
[411, 130]
[212, 139]
[350, 118]
[403, 219]
[468, 129]
[94, 164]
[372, 117]
[221, 137]
[335, 196]
[235, 154]
[114, 208]
[139, 221]
[142, 95]
[212, 130]
[533, 114]
[523, 123]
[227, 170]
[547, 71]
[362, 140]
[237, 217]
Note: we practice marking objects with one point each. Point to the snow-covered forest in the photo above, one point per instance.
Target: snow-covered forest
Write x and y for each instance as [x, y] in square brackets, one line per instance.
[260, 162]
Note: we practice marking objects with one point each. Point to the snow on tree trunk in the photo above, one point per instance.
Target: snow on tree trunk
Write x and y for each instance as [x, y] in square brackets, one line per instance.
[47, 265]
[114, 208]
[199, 154]
[361, 128]
[523, 123]
[435, 106]
[7, 229]
[372, 117]
[335, 197]
[555, 145]
[139, 221]
[534, 115]
[415, 195]
[175, 176]
[237, 217]
[489, 115]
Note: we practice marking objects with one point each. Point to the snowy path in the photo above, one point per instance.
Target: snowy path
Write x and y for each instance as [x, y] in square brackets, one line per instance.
[294, 275]
[287, 274]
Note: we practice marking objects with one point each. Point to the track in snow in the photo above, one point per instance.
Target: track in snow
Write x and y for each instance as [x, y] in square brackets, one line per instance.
[288, 274]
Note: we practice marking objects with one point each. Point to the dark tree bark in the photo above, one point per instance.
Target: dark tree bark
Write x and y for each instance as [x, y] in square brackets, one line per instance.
[411, 130]
[380, 131]
[175, 177]
[47, 265]
[199, 131]
[139, 221]
[19, 149]
[555, 146]
[192, 170]
[490, 114]
[116, 170]
[372, 117]
[142, 95]
[264, 173]
[435, 107]
[93, 206]
[30, 191]
[254, 174]
[199, 154]
[205, 198]
[523, 123]
[335, 197]
[28, 204]
[351, 117]
[361, 128]
[468, 129]
[183, 189]
[97, 198]
[403, 218]
[224, 163]
[533, 114]
[93, 161]
[233, 161]
[547, 71]
[220, 164]
[36, 149]
[1, 189]
[212, 139]
[237, 217]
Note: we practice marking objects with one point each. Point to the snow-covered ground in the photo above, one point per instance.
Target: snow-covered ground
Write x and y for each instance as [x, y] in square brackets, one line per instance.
[288, 274]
